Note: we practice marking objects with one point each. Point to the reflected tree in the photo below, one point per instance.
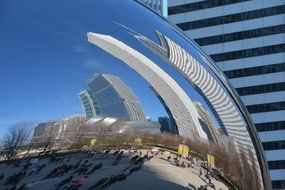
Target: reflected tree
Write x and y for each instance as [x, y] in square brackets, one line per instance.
[16, 138]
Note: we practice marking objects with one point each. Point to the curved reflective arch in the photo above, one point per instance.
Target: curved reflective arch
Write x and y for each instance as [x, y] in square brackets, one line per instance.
[161, 35]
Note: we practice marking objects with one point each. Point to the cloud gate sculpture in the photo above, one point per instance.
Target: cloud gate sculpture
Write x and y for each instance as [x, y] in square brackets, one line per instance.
[170, 46]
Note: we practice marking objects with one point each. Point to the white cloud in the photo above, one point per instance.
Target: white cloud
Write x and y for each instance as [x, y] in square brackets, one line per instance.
[92, 64]
[79, 49]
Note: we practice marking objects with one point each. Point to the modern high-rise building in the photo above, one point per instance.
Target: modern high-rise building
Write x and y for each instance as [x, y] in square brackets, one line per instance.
[246, 40]
[156, 5]
[110, 96]
[89, 104]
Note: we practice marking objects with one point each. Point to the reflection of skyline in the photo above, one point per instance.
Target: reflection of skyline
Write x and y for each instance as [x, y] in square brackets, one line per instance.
[50, 58]
[35, 53]
[215, 90]
[181, 106]
[53, 54]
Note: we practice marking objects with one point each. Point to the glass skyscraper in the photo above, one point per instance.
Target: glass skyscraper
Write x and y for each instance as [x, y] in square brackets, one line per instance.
[89, 104]
[108, 95]
[246, 40]
[156, 5]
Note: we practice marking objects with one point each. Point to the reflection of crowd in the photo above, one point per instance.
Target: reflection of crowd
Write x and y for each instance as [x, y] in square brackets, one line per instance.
[76, 174]
[59, 171]
[136, 163]
[83, 168]
[187, 161]
[29, 169]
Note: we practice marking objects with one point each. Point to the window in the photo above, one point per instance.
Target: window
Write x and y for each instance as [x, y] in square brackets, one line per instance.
[200, 5]
[248, 53]
[232, 18]
[271, 126]
[274, 145]
[278, 164]
[278, 184]
[276, 106]
[255, 71]
[240, 35]
[267, 88]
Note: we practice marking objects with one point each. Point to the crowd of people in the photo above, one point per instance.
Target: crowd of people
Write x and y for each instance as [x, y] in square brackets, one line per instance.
[71, 174]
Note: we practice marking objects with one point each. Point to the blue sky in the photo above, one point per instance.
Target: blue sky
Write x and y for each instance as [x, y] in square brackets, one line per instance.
[45, 58]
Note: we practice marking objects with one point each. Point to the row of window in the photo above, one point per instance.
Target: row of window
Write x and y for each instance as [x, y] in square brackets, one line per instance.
[232, 18]
[275, 68]
[200, 5]
[278, 164]
[278, 184]
[241, 35]
[273, 145]
[240, 54]
[266, 88]
[276, 106]
[271, 126]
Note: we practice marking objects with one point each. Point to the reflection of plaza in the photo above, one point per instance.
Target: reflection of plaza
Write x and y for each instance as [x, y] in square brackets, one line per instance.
[210, 84]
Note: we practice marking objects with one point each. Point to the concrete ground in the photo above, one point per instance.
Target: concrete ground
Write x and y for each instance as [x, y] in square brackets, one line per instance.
[155, 174]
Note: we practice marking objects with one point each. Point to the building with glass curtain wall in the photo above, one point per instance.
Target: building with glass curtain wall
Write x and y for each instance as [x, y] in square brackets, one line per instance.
[89, 104]
[156, 5]
[246, 40]
[110, 96]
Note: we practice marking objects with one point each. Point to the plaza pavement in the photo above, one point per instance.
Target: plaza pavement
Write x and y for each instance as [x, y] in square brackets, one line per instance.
[154, 174]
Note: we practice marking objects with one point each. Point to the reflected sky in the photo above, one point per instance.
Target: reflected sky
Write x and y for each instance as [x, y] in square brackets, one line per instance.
[45, 58]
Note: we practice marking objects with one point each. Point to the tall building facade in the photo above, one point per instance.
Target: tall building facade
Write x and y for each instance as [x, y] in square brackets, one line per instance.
[156, 5]
[246, 40]
[89, 104]
[42, 130]
[62, 130]
[110, 96]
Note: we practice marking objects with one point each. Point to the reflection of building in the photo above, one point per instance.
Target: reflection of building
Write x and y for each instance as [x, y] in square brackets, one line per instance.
[172, 124]
[101, 125]
[67, 128]
[133, 127]
[156, 5]
[41, 130]
[208, 123]
[246, 40]
[178, 102]
[89, 105]
[212, 87]
[166, 125]
[111, 97]
[60, 130]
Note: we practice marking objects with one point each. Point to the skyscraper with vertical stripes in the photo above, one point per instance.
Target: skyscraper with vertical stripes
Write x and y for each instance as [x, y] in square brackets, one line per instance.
[110, 96]
[246, 40]
[156, 5]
